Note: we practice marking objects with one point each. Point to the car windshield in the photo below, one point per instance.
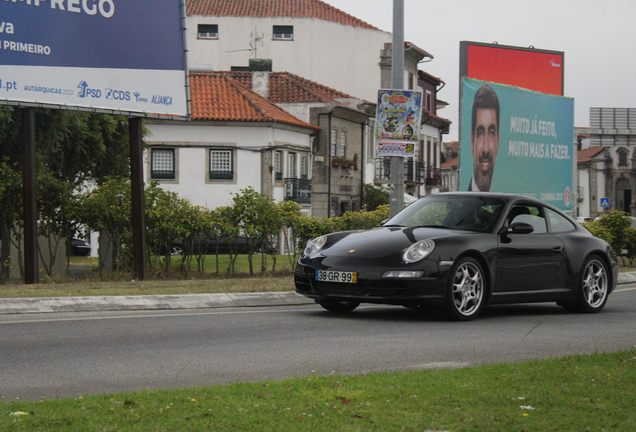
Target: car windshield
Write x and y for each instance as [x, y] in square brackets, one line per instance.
[466, 213]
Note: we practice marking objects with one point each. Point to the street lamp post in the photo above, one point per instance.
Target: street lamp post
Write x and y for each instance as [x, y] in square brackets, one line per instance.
[397, 82]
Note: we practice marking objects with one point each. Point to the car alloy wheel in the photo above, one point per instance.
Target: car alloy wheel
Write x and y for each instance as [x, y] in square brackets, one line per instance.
[466, 290]
[593, 286]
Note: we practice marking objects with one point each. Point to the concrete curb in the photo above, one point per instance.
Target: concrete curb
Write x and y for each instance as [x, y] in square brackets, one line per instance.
[149, 302]
[169, 302]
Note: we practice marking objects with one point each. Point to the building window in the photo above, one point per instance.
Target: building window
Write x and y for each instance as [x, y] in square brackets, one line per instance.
[410, 81]
[291, 165]
[283, 32]
[304, 167]
[334, 141]
[221, 165]
[208, 31]
[343, 143]
[622, 158]
[278, 165]
[429, 101]
[162, 166]
[335, 203]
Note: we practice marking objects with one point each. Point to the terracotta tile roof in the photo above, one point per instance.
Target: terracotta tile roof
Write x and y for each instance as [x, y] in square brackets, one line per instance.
[285, 87]
[274, 8]
[451, 163]
[217, 96]
[453, 145]
[587, 154]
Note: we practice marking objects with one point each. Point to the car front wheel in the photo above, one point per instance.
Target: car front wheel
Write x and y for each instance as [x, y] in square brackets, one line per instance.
[593, 286]
[466, 290]
[338, 306]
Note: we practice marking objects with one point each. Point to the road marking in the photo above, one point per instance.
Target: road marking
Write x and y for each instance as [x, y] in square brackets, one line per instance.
[624, 289]
[166, 313]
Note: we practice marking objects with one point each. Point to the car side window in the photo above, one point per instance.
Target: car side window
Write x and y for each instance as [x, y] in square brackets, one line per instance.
[558, 223]
[528, 214]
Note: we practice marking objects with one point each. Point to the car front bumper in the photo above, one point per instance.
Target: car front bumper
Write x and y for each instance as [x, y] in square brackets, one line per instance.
[371, 287]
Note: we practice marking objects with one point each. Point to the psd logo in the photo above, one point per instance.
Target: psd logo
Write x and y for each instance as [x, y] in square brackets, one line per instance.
[87, 92]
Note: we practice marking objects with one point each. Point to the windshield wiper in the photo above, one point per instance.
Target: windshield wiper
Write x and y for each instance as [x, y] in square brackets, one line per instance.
[398, 226]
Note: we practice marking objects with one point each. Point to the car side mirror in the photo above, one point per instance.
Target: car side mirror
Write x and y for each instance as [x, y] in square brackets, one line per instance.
[520, 228]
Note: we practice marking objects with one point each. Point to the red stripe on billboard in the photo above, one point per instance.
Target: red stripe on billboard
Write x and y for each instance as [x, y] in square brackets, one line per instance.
[538, 71]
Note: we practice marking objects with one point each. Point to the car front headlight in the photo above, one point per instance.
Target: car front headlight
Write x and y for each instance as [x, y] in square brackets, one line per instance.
[315, 245]
[418, 251]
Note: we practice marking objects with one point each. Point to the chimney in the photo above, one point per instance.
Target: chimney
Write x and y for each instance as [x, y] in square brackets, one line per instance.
[260, 83]
[260, 76]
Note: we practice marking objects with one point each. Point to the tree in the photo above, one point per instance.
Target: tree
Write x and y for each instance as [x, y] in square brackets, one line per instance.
[374, 197]
[108, 209]
[258, 220]
[11, 213]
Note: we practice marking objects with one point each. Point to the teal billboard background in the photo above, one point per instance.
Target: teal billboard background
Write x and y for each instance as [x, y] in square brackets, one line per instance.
[535, 152]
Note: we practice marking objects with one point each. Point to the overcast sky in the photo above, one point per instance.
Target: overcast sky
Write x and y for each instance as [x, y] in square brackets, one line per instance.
[598, 38]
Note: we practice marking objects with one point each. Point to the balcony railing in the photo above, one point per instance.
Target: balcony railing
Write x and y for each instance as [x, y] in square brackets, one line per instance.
[298, 190]
[433, 177]
[414, 172]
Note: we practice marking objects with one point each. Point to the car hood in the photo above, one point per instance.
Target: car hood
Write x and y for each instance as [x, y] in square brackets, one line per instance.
[381, 242]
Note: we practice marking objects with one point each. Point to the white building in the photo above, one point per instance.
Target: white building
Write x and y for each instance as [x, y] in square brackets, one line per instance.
[231, 143]
[306, 37]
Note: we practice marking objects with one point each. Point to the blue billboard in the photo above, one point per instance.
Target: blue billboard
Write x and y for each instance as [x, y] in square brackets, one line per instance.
[120, 55]
[517, 141]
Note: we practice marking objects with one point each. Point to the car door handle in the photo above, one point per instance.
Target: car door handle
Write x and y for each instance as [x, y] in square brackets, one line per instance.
[557, 249]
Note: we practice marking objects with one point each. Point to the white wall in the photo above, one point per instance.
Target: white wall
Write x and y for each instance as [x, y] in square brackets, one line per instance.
[316, 53]
[193, 140]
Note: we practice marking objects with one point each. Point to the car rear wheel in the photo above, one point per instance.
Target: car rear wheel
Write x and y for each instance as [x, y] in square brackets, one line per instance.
[593, 286]
[466, 290]
[338, 306]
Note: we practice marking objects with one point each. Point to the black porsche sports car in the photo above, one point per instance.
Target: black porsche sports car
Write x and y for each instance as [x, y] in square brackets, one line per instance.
[461, 251]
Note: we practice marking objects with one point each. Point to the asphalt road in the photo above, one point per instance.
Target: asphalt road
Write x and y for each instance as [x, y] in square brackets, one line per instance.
[71, 354]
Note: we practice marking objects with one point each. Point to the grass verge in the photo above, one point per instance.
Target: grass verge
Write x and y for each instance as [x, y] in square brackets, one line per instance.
[90, 284]
[574, 393]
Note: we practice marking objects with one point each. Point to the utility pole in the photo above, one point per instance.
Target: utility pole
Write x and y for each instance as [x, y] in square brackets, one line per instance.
[397, 83]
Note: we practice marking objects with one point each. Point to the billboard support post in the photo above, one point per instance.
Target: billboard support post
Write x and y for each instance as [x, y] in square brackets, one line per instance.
[397, 78]
[29, 196]
[138, 202]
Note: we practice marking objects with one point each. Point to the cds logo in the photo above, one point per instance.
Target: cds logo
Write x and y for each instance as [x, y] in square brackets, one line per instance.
[87, 92]
[117, 95]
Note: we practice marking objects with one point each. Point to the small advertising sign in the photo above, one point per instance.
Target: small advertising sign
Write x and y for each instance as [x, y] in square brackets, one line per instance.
[397, 122]
[396, 148]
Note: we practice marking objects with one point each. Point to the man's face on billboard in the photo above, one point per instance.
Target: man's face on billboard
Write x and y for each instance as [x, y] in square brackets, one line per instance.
[484, 145]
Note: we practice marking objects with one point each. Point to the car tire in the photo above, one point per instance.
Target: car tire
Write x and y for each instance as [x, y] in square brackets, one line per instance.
[338, 306]
[466, 290]
[593, 286]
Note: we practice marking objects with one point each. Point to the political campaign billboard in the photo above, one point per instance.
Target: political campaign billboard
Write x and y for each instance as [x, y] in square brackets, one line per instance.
[527, 67]
[397, 122]
[517, 141]
[112, 55]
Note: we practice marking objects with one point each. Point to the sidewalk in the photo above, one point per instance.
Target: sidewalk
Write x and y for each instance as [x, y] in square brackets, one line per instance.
[168, 302]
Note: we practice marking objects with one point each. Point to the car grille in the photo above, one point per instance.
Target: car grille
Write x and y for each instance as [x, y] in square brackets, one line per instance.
[302, 284]
[383, 288]
[339, 288]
